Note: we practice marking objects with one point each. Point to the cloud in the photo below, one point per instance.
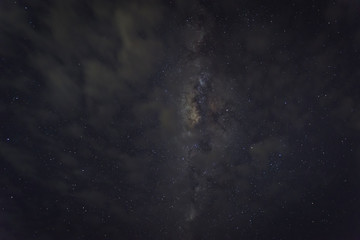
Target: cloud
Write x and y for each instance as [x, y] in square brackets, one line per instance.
[93, 95]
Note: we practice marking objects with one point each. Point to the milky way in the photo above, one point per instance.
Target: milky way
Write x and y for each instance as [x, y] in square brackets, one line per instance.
[179, 120]
[206, 108]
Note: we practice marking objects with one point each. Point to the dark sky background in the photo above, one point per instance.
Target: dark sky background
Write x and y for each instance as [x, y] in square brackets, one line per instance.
[180, 120]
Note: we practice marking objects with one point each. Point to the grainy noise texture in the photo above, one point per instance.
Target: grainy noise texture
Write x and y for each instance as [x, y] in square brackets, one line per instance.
[180, 120]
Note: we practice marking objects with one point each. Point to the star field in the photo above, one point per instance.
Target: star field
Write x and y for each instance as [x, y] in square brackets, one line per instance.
[179, 120]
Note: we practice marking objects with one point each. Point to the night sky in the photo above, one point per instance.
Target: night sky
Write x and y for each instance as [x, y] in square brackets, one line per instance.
[179, 120]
